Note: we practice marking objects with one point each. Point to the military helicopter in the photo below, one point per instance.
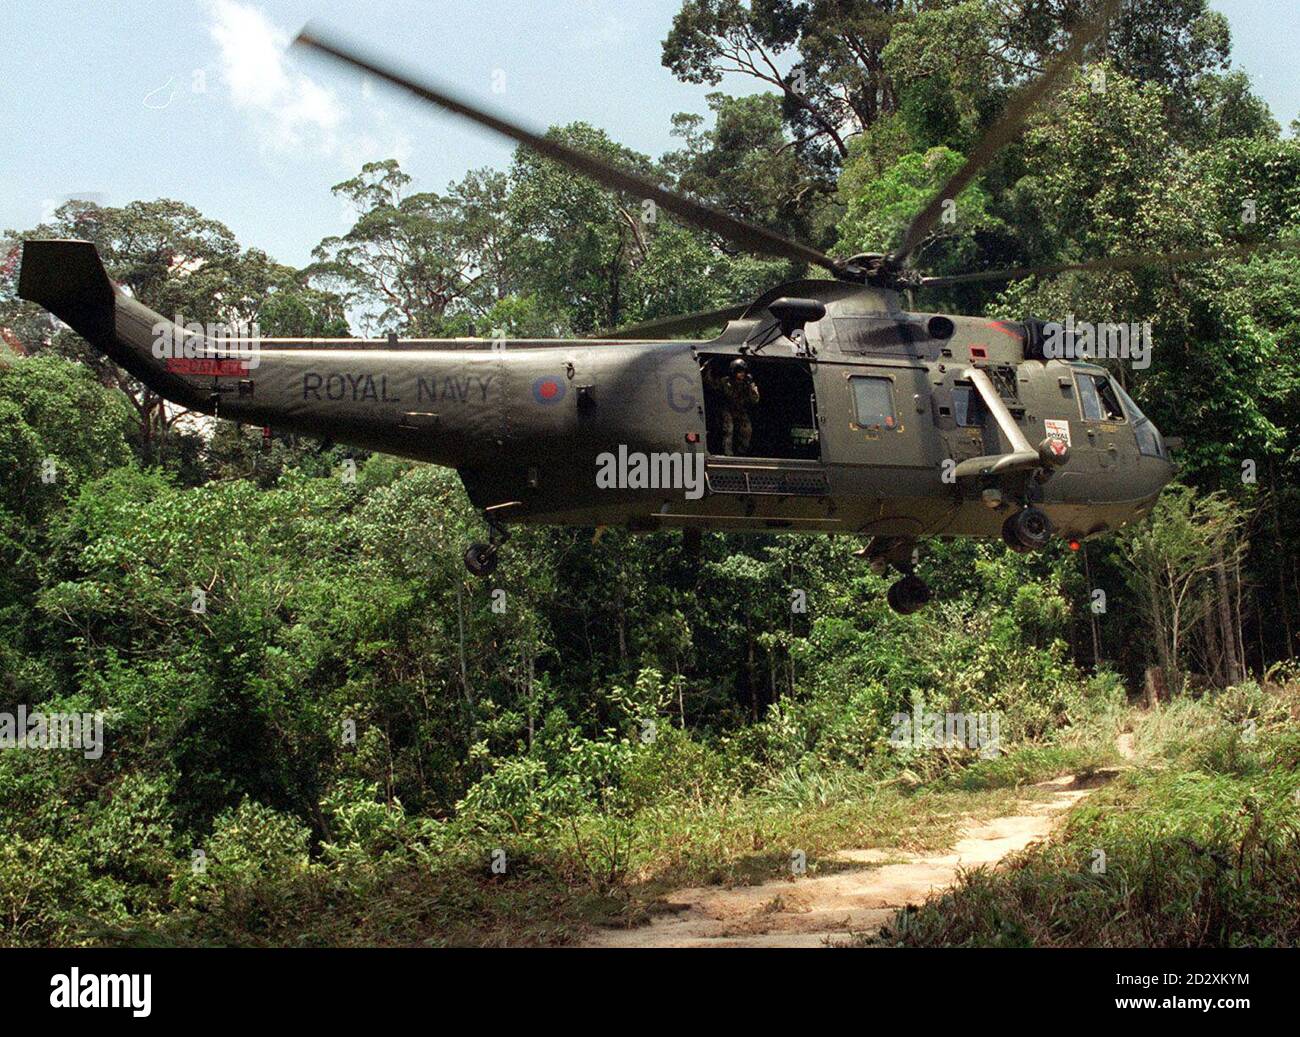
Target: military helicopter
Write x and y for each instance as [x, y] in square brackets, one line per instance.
[873, 419]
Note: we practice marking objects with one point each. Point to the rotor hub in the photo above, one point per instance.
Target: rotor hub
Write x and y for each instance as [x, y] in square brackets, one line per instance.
[879, 271]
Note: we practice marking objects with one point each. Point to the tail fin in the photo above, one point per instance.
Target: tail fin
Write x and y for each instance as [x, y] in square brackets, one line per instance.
[68, 279]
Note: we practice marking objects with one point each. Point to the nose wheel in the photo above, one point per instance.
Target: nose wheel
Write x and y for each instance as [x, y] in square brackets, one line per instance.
[481, 559]
[1027, 530]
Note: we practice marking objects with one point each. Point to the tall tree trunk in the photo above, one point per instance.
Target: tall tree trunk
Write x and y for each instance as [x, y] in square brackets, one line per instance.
[1160, 628]
[1232, 671]
[1214, 645]
[1154, 680]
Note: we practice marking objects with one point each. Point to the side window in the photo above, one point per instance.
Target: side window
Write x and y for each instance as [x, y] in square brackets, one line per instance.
[1097, 399]
[873, 402]
[1110, 405]
[968, 406]
[1148, 439]
[1089, 405]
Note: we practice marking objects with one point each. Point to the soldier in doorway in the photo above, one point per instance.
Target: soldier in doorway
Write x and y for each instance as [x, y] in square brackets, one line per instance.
[737, 393]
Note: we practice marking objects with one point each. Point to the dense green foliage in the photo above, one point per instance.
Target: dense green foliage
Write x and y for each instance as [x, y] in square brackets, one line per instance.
[333, 603]
[350, 732]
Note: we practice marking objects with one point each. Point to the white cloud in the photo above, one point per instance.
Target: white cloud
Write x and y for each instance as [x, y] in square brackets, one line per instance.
[603, 36]
[288, 109]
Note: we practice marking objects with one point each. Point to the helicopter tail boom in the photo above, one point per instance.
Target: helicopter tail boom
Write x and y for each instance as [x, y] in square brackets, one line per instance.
[441, 404]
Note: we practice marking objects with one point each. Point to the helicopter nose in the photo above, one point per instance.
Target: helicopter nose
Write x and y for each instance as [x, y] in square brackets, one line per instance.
[1155, 474]
[1166, 467]
[1149, 479]
[1164, 474]
[1154, 470]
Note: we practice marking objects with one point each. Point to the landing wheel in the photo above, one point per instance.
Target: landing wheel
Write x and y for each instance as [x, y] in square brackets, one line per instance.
[1027, 530]
[908, 595]
[480, 559]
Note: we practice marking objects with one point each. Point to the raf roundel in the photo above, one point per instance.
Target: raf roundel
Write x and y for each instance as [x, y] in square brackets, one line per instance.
[549, 389]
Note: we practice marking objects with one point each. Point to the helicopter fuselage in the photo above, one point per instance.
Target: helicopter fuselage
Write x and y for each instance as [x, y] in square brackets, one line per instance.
[879, 420]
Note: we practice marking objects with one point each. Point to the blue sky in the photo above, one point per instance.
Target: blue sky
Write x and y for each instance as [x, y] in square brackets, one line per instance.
[196, 100]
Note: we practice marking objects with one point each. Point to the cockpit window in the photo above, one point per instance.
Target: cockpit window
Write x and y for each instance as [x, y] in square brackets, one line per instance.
[1134, 411]
[1088, 402]
[1149, 440]
[1097, 399]
[1148, 437]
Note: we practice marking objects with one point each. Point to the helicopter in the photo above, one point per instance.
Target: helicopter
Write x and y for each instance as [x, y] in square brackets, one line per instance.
[871, 419]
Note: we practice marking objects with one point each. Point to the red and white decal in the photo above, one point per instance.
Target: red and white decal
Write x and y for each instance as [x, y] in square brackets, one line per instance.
[1058, 432]
[209, 367]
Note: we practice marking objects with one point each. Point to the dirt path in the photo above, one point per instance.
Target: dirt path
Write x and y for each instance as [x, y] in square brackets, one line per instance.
[811, 912]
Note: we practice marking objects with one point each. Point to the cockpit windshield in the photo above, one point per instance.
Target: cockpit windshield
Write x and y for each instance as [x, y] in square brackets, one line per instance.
[1149, 440]
[1134, 411]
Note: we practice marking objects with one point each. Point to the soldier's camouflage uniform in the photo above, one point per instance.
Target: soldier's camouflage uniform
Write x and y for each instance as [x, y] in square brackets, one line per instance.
[737, 397]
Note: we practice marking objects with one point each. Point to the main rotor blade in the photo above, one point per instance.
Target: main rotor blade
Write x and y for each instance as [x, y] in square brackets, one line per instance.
[1004, 130]
[666, 327]
[1114, 263]
[740, 233]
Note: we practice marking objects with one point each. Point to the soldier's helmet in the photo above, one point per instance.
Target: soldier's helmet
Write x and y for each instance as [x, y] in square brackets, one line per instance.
[739, 366]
